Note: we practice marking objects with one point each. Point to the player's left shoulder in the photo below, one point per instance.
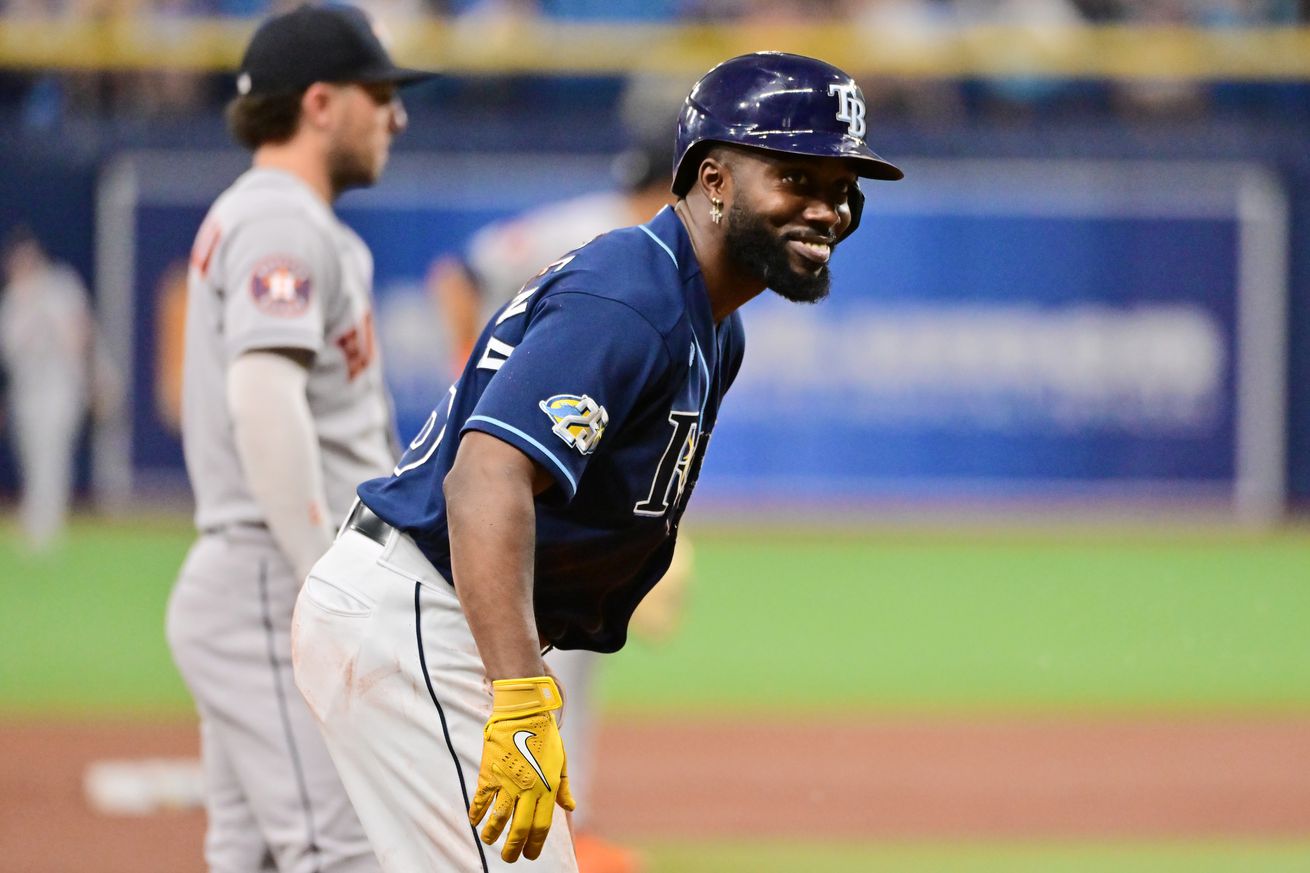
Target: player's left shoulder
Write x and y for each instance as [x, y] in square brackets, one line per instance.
[625, 265]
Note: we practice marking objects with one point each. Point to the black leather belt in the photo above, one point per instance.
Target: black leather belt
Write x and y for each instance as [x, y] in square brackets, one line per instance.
[367, 522]
[233, 527]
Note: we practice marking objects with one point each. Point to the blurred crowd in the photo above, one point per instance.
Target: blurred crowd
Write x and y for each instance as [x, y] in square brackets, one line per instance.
[1196, 12]
[42, 99]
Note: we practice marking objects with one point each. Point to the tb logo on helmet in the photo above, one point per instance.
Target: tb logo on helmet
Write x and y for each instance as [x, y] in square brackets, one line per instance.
[850, 107]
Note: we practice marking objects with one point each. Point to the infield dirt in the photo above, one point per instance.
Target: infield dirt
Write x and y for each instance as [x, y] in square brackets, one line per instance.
[892, 779]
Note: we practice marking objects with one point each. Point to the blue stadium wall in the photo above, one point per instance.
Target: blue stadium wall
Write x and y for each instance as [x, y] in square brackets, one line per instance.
[52, 187]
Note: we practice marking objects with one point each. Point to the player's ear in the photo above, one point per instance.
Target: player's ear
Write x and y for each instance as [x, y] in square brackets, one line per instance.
[316, 104]
[715, 176]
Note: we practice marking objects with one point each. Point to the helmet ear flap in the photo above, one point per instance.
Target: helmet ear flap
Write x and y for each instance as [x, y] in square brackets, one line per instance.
[684, 176]
[856, 202]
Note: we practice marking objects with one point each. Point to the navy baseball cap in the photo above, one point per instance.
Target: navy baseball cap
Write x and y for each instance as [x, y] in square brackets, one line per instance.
[317, 43]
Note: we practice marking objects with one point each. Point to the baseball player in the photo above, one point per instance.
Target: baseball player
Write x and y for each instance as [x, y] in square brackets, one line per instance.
[498, 259]
[46, 338]
[284, 411]
[541, 499]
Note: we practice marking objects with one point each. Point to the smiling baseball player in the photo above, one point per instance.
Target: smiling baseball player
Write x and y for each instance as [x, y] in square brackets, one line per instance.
[499, 257]
[540, 502]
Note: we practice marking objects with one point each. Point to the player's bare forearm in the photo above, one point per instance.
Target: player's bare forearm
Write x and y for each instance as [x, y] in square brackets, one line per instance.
[492, 518]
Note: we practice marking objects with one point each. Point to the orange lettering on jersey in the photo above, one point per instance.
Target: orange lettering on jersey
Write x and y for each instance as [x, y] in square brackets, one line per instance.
[202, 252]
[359, 345]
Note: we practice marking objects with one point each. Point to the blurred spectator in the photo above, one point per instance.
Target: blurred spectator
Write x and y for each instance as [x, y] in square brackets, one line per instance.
[1101, 11]
[611, 10]
[491, 10]
[1048, 24]
[391, 16]
[150, 91]
[46, 338]
[1162, 97]
[765, 12]
[1178, 96]
[161, 91]
[913, 24]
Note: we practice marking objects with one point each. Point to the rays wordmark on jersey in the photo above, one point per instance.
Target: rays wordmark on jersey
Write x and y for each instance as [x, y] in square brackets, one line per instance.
[674, 469]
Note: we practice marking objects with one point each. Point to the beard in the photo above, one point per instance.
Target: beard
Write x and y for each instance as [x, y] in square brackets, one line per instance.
[757, 249]
[350, 168]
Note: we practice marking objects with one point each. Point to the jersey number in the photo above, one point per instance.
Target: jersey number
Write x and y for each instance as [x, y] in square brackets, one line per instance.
[675, 465]
[418, 455]
[497, 352]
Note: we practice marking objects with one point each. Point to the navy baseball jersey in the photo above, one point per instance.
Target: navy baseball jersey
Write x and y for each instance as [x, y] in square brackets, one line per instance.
[607, 369]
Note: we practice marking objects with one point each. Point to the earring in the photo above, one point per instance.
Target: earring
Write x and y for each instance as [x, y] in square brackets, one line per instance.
[716, 210]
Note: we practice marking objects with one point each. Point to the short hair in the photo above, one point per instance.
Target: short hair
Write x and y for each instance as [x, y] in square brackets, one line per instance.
[256, 119]
[723, 152]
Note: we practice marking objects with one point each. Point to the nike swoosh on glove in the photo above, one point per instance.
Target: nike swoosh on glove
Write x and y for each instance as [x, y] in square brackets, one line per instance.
[524, 772]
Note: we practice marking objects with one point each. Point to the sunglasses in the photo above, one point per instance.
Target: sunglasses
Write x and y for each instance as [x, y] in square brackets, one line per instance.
[380, 93]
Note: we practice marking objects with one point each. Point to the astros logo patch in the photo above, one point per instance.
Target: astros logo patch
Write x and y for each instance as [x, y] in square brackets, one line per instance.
[579, 420]
[280, 286]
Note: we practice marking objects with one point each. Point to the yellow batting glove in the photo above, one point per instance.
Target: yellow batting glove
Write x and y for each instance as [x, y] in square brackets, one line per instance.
[523, 768]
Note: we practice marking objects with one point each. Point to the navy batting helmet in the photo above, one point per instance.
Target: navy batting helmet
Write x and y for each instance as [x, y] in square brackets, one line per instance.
[780, 102]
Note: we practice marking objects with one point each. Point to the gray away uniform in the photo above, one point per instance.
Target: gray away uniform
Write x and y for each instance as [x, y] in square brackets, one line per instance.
[272, 268]
[45, 323]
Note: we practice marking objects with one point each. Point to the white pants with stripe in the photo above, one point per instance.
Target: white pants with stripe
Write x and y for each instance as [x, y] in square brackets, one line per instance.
[385, 659]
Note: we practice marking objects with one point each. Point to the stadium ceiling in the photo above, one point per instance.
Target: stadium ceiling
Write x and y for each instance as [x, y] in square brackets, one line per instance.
[551, 48]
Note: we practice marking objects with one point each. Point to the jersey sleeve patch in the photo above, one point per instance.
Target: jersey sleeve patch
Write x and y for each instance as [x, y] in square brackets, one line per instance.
[280, 286]
[576, 419]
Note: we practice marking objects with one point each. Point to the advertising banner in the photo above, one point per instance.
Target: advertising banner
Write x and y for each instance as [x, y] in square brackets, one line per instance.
[996, 330]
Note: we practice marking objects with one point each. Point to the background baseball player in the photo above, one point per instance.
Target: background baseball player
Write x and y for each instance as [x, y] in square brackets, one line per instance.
[502, 255]
[284, 411]
[46, 342]
[548, 484]
[468, 290]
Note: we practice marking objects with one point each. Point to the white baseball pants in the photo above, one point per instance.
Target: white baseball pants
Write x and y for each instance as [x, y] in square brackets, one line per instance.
[387, 663]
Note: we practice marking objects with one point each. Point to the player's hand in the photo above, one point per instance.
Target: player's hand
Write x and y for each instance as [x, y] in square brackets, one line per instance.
[523, 767]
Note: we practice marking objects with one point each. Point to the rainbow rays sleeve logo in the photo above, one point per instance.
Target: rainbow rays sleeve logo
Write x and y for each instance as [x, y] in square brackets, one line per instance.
[577, 419]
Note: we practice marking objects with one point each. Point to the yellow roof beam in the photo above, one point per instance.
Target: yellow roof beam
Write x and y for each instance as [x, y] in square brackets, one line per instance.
[556, 48]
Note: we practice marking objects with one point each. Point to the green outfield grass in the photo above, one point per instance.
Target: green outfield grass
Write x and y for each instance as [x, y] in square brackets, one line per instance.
[1048, 620]
[85, 625]
[883, 621]
[787, 857]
